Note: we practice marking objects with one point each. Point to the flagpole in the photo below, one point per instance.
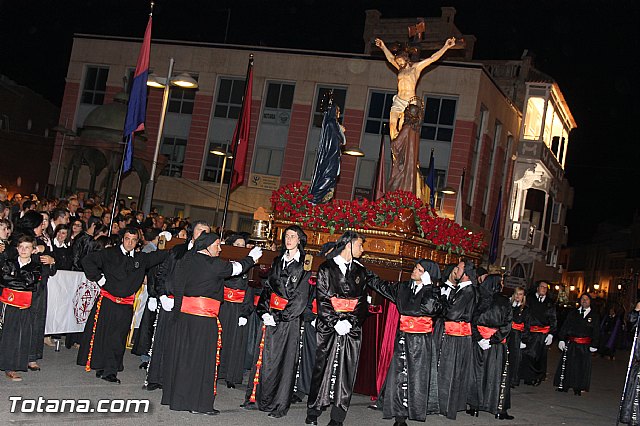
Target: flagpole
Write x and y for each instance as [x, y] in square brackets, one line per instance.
[118, 182]
[235, 146]
[378, 177]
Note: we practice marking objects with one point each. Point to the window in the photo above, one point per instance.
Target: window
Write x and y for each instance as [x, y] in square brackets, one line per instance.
[322, 101]
[379, 107]
[322, 97]
[533, 118]
[229, 100]
[174, 149]
[95, 85]
[181, 100]
[477, 149]
[439, 119]
[268, 161]
[4, 122]
[214, 163]
[279, 96]
[557, 210]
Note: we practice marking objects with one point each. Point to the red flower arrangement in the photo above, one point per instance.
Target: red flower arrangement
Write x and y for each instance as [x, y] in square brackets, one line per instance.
[293, 202]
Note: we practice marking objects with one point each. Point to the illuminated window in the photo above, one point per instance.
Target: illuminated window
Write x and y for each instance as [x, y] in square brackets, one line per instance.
[533, 119]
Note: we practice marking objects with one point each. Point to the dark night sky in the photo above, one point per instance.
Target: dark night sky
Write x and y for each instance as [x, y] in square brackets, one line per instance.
[590, 47]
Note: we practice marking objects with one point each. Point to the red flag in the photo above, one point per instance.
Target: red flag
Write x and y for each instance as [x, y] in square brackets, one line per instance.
[380, 186]
[241, 133]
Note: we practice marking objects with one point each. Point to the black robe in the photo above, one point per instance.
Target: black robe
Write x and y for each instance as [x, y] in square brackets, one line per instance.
[143, 335]
[164, 286]
[533, 366]
[39, 307]
[308, 345]
[630, 408]
[520, 316]
[16, 325]
[455, 361]
[490, 390]
[191, 360]
[574, 367]
[235, 336]
[124, 275]
[337, 357]
[271, 385]
[411, 385]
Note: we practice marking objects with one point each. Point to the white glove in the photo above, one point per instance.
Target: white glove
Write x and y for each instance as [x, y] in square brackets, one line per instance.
[313, 323]
[256, 253]
[268, 320]
[167, 303]
[592, 349]
[523, 345]
[342, 327]
[426, 278]
[562, 345]
[484, 344]
[166, 234]
[152, 304]
[242, 321]
[548, 339]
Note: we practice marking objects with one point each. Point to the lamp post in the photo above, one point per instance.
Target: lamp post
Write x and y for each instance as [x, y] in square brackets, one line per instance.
[65, 132]
[447, 190]
[222, 152]
[185, 81]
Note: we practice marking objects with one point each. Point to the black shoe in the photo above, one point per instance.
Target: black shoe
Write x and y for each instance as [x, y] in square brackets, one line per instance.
[334, 423]
[399, 424]
[577, 392]
[111, 378]
[537, 382]
[276, 414]
[472, 413]
[231, 385]
[99, 373]
[153, 386]
[373, 406]
[207, 413]
[310, 420]
[144, 365]
[562, 390]
[249, 406]
[295, 399]
[504, 416]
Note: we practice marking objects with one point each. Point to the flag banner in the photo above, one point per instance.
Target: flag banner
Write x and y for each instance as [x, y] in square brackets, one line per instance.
[458, 211]
[70, 297]
[431, 181]
[241, 133]
[380, 185]
[137, 106]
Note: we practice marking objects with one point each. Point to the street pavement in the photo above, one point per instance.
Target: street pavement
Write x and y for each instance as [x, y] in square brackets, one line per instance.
[62, 378]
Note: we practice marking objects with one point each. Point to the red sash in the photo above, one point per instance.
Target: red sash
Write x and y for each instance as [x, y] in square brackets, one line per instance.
[487, 332]
[410, 324]
[16, 298]
[119, 300]
[233, 295]
[343, 305]
[540, 329]
[454, 328]
[256, 299]
[276, 302]
[580, 340]
[314, 307]
[517, 326]
[200, 306]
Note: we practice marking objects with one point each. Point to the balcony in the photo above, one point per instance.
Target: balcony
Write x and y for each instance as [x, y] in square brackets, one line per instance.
[524, 234]
[538, 151]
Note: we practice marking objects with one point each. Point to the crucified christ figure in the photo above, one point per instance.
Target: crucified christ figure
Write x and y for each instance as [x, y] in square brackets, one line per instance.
[408, 75]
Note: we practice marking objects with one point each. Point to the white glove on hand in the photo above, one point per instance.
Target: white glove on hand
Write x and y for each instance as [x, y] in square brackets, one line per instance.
[548, 339]
[166, 234]
[256, 253]
[342, 327]
[484, 344]
[268, 320]
[562, 345]
[167, 303]
[152, 304]
[313, 323]
[425, 278]
[242, 321]
[592, 349]
[523, 345]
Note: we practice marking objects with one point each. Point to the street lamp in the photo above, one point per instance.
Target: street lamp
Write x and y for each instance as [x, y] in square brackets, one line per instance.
[221, 151]
[353, 151]
[65, 132]
[183, 80]
[447, 190]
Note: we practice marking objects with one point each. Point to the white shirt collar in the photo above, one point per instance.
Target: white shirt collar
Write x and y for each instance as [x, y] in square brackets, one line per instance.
[295, 257]
[59, 244]
[464, 284]
[23, 264]
[585, 312]
[541, 297]
[342, 264]
[126, 253]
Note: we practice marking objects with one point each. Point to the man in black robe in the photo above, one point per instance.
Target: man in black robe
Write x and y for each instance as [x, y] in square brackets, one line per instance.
[454, 370]
[164, 287]
[578, 338]
[629, 412]
[308, 347]
[342, 309]
[543, 325]
[119, 271]
[411, 389]
[491, 324]
[282, 303]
